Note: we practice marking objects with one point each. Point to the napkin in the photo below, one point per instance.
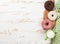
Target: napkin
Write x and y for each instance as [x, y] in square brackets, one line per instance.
[56, 39]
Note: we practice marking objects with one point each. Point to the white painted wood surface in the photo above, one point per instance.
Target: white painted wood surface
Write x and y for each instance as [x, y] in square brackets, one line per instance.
[20, 22]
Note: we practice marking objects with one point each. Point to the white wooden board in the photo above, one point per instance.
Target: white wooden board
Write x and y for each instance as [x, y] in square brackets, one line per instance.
[20, 21]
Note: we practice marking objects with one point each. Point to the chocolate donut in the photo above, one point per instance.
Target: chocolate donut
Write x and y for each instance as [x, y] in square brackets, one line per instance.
[49, 5]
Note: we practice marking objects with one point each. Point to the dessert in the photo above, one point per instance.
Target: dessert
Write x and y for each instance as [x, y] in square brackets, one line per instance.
[47, 24]
[52, 15]
[50, 34]
[49, 5]
[45, 14]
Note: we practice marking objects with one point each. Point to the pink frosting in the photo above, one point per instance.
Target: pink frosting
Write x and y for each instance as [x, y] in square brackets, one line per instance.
[47, 24]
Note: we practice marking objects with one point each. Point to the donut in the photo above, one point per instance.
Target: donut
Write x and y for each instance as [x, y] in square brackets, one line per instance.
[47, 24]
[49, 5]
[52, 15]
[51, 0]
[45, 14]
[46, 17]
[54, 23]
[50, 34]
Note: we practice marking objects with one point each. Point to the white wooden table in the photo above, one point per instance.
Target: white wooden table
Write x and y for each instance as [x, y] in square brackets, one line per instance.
[20, 21]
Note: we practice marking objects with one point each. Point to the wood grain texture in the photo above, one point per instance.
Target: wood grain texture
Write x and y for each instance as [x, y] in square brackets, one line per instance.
[20, 22]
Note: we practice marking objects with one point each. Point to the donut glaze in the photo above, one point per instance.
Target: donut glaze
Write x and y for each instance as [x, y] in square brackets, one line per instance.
[52, 15]
[49, 5]
[47, 24]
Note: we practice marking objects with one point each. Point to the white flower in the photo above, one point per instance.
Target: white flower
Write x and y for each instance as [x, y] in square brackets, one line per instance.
[50, 34]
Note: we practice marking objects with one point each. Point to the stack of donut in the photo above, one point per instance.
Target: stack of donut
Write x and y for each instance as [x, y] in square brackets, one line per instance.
[50, 16]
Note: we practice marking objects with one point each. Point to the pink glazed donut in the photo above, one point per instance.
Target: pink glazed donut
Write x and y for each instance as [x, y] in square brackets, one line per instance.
[47, 24]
